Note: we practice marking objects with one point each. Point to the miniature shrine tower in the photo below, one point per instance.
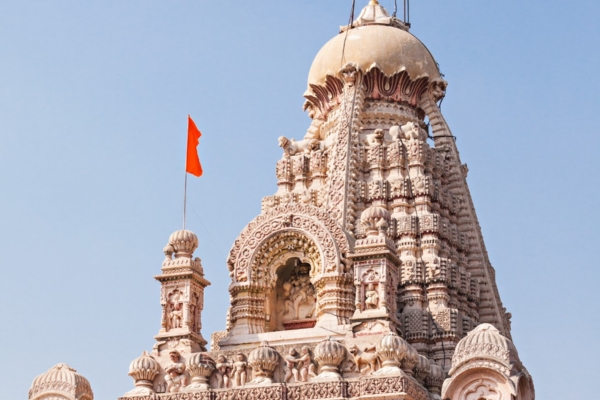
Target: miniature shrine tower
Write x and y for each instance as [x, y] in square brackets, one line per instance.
[365, 275]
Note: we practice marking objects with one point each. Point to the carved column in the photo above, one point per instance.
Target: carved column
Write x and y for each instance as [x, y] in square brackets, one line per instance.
[182, 289]
[375, 271]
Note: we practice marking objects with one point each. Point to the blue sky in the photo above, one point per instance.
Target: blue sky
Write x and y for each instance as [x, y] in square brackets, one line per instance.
[94, 97]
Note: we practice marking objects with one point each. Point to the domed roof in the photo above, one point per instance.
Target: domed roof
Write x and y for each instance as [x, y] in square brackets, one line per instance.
[485, 342]
[182, 243]
[62, 381]
[375, 39]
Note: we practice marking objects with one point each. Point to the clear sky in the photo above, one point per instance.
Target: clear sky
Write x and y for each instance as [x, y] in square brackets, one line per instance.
[94, 97]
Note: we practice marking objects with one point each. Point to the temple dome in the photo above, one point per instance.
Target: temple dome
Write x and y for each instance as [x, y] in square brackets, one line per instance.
[375, 39]
[485, 342]
[61, 381]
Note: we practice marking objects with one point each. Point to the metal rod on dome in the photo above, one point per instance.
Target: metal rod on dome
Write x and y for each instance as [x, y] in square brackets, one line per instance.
[184, 198]
[408, 12]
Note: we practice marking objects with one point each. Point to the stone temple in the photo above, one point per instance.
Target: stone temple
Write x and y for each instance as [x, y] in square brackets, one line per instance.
[365, 276]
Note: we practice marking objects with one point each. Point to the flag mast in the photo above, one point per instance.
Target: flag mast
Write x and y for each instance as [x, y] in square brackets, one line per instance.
[184, 198]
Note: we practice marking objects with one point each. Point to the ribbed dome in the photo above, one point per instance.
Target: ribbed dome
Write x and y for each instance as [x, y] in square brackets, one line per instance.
[377, 40]
[485, 342]
[183, 242]
[375, 213]
[264, 359]
[61, 380]
[144, 368]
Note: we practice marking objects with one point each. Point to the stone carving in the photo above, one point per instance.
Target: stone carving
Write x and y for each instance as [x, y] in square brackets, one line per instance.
[306, 366]
[299, 295]
[391, 350]
[371, 297]
[299, 366]
[366, 361]
[263, 361]
[292, 147]
[318, 223]
[330, 354]
[200, 367]
[438, 89]
[238, 370]
[175, 378]
[175, 316]
[61, 382]
[143, 370]
[290, 364]
[486, 348]
[222, 373]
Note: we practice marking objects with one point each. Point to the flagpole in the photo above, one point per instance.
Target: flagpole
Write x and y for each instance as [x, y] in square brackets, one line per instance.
[184, 198]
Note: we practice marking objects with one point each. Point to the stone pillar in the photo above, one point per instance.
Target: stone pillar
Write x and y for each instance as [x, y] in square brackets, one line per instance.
[182, 293]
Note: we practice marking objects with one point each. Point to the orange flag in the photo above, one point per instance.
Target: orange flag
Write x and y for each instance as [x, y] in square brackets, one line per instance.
[192, 161]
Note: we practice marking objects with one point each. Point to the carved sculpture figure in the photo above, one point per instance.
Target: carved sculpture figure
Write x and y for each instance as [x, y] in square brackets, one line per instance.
[349, 72]
[434, 269]
[307, 367]
[175, 378]
[438, 89]
[299, 298]
[292, 147]
[366, 361]
[239, 370]
[410, 130]
[375, 138]
[223, 369]
[176, 316]
[371, 297]
[290, 364]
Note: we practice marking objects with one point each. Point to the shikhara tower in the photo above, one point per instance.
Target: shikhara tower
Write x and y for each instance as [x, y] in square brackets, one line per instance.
[365, 275]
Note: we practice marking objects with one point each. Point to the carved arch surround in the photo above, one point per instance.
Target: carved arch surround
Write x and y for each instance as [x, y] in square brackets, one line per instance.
[479, 383]
[317, 225]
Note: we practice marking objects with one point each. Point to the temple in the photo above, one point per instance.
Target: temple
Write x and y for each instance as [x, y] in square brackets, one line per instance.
[365, 276]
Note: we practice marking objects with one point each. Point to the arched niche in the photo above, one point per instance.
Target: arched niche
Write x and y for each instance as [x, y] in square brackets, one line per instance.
[312, 221]
[266, 244]
[292, 300]
[480, 383]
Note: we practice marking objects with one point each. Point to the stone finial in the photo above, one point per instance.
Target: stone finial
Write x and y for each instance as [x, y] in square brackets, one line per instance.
[143, 370]
[183, 242]
[329, 354]
[435, 379]
[375, 220]
[263, 360]
[200, 366]
[61, 381]
[423, 368]
[485, 348]
[410, 361]
[391, 350]
[485, 342]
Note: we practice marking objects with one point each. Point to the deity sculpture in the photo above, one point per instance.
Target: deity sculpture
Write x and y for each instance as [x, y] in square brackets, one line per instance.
[176, 316]
[371, 297]
[290, 364]
[175, 377]
[299, 366]
[299, 298]
[223, 369]
[239, 367]
[307, 367]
